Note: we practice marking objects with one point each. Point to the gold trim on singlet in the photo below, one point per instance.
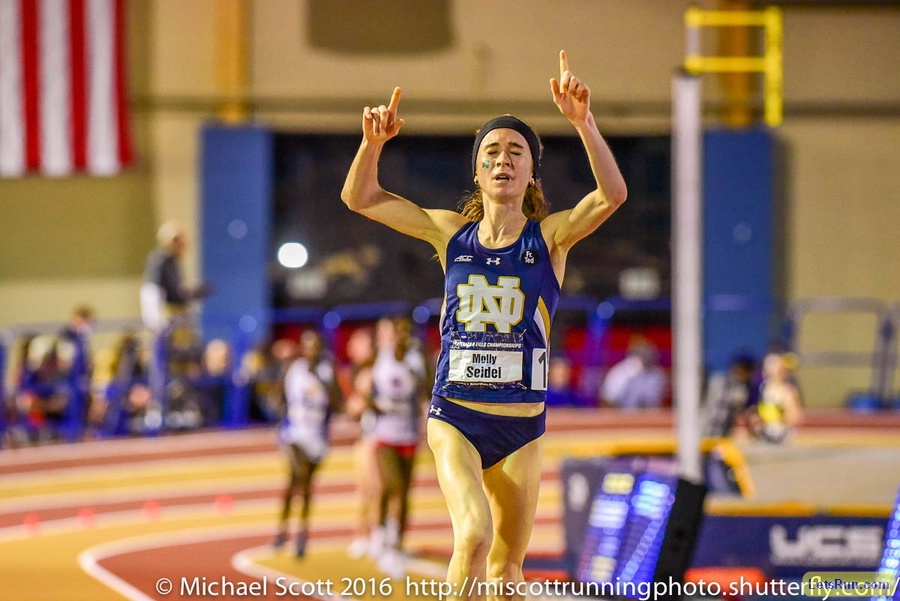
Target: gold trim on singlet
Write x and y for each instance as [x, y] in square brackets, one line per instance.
[505, 409]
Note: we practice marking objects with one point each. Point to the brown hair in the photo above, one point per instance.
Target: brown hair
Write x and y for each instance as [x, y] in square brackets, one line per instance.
[534, 206]
[85, 312]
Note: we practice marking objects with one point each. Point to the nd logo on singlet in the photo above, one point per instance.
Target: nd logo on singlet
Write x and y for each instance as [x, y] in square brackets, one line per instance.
[481, 304]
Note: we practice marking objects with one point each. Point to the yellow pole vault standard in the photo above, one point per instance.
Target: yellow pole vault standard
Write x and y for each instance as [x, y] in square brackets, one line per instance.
[687, 198]
[232, 58]
[737, 87]
[770, 64]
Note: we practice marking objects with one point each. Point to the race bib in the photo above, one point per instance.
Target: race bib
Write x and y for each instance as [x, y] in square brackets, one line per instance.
[480, 359]
[485, 366]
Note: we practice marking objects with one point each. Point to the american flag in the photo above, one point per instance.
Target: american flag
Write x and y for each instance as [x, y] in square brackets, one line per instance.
[63, 101]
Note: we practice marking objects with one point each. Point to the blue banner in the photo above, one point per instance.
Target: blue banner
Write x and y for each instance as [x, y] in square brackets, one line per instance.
[788, 547]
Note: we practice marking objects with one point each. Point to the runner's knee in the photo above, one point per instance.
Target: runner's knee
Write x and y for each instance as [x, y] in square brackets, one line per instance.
[474, 536]
[504, 569]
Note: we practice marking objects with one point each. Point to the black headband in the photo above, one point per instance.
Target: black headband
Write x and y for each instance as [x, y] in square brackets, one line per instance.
[509, 122]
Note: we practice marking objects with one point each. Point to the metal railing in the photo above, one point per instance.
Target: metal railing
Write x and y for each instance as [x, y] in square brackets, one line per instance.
[881, 360]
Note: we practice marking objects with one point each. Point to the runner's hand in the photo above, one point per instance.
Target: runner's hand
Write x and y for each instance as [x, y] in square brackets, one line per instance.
[380, 124]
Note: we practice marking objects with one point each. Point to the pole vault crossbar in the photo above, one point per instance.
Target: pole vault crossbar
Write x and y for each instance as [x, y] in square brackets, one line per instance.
[687, 204]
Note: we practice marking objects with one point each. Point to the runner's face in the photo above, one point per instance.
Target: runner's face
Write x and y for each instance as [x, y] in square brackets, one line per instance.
[504, 164]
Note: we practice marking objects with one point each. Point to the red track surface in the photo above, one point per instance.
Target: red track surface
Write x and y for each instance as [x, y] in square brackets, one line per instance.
[211, 559]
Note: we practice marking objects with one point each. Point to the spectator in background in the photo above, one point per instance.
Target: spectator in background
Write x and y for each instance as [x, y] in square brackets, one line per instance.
[778, 409]
[211, 384]
[637, 381]
[130, 408]
[164, 295]
[20, 430]
[77, 333]
[728, 395]
[166, 311]
[166, 303]
[44, 395]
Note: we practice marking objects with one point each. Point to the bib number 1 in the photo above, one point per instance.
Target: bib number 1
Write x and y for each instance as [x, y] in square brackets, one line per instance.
[539, 369]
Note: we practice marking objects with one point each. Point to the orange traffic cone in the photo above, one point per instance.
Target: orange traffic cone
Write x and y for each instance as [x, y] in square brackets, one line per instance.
[87, 517]
[151, 510]
[32, 524]
[223, 504]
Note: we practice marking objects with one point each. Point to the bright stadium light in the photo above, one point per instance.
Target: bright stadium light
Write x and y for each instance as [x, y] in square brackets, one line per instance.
[292, 255]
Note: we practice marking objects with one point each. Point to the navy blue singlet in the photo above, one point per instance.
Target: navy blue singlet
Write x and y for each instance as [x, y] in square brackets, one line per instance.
[495, 323]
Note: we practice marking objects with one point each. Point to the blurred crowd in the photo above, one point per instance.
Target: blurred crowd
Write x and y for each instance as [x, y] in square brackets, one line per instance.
[59, 387]
[762, 397]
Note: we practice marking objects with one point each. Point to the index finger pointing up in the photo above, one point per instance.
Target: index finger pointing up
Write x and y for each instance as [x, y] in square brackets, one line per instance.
[395, 100]
[563, 63]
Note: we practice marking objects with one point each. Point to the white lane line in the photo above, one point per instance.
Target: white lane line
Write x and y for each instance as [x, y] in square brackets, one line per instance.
[89, 559]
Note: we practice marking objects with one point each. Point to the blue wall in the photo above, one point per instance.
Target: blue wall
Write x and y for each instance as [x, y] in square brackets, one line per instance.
[235, 225]
[739, 244]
